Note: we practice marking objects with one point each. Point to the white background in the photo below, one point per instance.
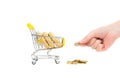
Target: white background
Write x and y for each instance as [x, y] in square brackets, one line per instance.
[71, 19]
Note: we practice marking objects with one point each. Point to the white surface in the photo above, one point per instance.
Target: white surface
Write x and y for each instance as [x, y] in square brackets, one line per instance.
[72, 19]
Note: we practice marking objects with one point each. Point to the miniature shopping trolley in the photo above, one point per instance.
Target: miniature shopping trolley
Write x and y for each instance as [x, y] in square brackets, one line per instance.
[45, 41]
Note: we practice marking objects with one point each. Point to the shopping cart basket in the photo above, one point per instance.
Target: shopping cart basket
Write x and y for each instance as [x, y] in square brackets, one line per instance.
[44, 41]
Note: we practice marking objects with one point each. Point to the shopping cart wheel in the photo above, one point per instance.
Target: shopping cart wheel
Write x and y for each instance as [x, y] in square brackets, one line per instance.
[34, 57]
[57, 61]
[33, 62]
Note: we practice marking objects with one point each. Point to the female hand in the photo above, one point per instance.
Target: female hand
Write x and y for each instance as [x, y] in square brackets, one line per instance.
[102, 38]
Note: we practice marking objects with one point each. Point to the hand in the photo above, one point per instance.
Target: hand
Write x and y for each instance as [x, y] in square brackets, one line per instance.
[102, 38]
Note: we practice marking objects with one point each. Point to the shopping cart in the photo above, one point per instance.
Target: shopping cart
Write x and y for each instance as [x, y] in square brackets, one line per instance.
[43, 42]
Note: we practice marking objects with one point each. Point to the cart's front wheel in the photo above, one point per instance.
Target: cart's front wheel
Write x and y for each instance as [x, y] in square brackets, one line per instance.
[33, 62]
[34, 57]
[57, 61]
[57, 57]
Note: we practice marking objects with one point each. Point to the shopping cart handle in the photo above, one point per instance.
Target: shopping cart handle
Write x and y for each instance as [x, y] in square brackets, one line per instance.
[31, 27]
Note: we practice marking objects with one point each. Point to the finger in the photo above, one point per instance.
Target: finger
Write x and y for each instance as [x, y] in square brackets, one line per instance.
[99, 47]
[92, 41]
[94, 45]
[86, 44]
[87, 38]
